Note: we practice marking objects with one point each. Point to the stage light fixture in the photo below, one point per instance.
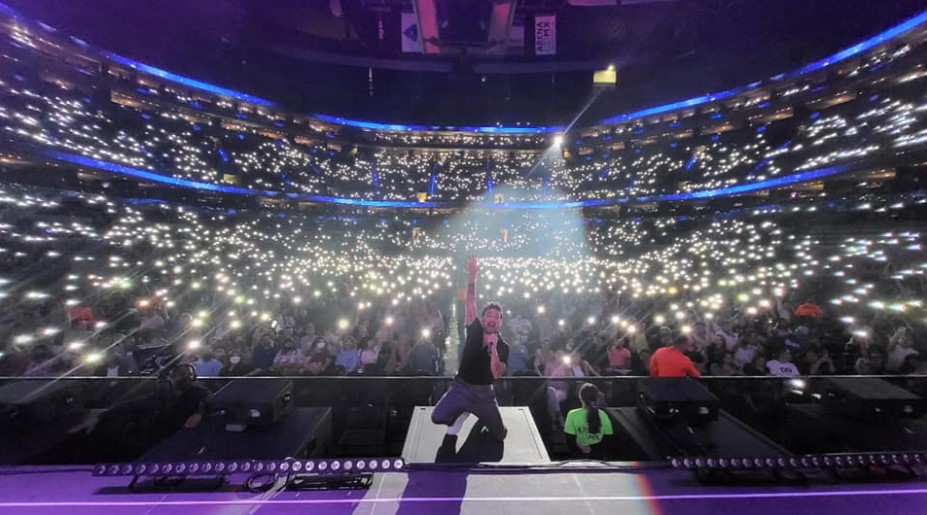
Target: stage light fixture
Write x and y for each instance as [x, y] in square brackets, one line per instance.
[221, 468]
[822, 461]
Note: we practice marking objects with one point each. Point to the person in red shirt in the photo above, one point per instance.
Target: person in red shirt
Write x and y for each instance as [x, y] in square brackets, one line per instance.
[619, 356]
[671, 361]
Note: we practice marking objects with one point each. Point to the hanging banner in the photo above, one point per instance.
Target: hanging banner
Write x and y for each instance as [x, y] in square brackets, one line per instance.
[410, 35]
[545, 34]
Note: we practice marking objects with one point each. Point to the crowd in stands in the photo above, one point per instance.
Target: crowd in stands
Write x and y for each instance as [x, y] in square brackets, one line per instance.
[95, 286]
[166, 132]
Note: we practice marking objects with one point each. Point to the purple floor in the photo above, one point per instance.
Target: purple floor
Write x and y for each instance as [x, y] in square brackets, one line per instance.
[47, 490]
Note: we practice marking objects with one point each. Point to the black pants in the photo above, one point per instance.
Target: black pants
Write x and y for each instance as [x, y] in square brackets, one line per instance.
[479, 400]
[596, 451]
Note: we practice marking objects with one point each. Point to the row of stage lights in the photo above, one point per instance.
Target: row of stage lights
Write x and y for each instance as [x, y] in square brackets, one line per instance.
[218, 468]
[802, 462]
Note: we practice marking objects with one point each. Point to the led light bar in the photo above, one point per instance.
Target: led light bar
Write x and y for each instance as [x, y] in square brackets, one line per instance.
[219, 468]
[739, 189]
[850, 460]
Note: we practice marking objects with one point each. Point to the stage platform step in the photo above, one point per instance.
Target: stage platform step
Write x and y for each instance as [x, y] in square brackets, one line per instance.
[522, 445]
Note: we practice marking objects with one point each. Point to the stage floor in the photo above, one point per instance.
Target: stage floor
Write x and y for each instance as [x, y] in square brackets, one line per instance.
[522, 445]
[57, 490]
[484, 478]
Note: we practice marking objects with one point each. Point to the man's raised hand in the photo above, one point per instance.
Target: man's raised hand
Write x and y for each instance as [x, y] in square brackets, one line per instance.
[472, 266]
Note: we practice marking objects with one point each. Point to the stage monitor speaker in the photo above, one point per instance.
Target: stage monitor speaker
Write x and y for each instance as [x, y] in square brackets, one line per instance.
[31, 403]
[247, 402]
[675, 399]
[869, 398]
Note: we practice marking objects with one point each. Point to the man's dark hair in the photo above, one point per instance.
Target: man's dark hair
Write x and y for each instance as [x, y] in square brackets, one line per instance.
[491, 305]
[590, 395]
[680, 339]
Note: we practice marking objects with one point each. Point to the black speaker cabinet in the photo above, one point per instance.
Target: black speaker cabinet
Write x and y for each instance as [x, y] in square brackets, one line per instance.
[675, 399]
[253, 401]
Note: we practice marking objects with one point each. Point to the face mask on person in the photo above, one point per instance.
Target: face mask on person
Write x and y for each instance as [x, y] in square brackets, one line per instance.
[235, 360]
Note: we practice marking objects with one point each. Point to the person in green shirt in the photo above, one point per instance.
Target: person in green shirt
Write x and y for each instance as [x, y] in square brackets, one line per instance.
[587, 426]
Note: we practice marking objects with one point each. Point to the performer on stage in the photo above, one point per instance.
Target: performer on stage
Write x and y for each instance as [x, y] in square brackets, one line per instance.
[483, 360]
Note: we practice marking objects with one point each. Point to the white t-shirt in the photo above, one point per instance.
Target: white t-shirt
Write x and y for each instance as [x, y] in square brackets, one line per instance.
[896, 357]
[778, 368]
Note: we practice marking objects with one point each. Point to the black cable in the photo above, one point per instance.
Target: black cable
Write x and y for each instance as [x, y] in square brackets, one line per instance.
[254, 486]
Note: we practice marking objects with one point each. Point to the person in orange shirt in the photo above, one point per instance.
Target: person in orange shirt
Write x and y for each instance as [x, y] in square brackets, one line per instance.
[671, 361]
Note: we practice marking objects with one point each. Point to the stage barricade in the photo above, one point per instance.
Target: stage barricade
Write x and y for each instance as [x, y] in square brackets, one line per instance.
[371, 416]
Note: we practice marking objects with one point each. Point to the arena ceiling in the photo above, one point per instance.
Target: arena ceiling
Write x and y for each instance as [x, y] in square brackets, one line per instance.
[473, 61]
